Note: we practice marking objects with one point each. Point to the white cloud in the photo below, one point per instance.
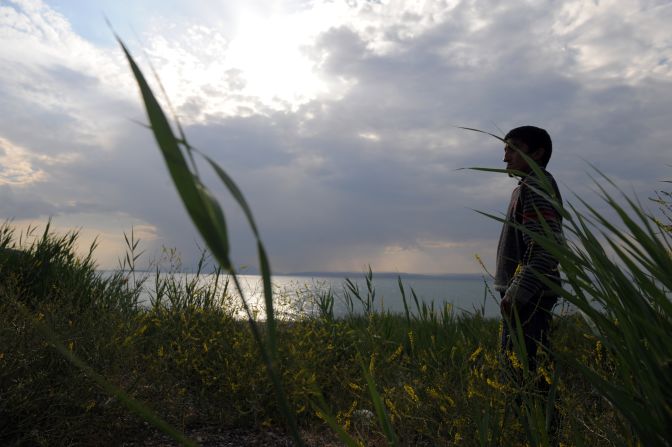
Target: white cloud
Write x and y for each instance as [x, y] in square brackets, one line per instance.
[371, 136]
[51, 75]
[16, 167]
[35, 38]
[265, 65]
[618, 40]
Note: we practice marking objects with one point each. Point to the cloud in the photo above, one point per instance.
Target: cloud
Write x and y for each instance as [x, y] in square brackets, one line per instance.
[361, 166]
[27, 206]
[15, 165]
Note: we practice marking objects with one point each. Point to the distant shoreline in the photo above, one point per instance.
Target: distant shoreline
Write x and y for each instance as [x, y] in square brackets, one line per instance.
[386, 275]
[452, 276]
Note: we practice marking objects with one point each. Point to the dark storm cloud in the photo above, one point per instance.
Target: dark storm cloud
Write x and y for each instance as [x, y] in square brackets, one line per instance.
[22, 206]
[250, 143]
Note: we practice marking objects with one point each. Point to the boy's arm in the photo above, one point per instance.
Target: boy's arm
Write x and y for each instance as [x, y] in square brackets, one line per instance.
[537, 212]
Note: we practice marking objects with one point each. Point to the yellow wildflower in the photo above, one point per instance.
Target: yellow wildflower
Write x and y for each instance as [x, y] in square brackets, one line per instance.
[354, 386]
[320, 415]
[494, 384]
[395, 354]
[411, 393]
[545, 375]
[515, 362]
[474, 355]
[390, 406]
[411, 339]
[345, 417]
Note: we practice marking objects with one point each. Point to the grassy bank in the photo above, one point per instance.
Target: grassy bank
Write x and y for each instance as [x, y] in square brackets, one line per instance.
[192, 361]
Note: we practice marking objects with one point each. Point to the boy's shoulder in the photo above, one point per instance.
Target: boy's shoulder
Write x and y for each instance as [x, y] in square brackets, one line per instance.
[540, 181]
[540, 186]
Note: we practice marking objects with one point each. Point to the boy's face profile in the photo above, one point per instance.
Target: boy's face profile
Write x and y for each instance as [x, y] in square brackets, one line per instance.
[514, 160]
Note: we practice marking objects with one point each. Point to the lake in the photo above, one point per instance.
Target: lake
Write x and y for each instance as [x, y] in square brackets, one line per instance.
[293, 293]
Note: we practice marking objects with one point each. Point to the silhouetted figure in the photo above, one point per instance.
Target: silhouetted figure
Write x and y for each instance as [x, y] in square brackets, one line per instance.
[520, 260]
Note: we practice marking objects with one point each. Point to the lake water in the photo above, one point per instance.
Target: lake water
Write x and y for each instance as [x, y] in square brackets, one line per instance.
[293, 294]
[462, 293]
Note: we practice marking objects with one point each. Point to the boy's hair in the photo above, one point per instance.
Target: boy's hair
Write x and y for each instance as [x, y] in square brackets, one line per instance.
[535, 138]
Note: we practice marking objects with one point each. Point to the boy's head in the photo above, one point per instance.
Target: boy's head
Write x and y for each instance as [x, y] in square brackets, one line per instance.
[533, 141]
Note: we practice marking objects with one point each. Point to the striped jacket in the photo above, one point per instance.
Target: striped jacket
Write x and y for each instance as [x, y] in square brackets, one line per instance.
[518, 256]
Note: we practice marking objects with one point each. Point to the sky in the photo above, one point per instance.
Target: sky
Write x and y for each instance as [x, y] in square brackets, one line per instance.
[337, 119]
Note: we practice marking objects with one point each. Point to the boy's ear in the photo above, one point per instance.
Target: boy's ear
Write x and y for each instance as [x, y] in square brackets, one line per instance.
[538, 154]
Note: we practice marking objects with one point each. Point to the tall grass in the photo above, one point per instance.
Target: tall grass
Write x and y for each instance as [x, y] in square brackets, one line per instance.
[51, 302]
[618, 273]
[432, 377]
